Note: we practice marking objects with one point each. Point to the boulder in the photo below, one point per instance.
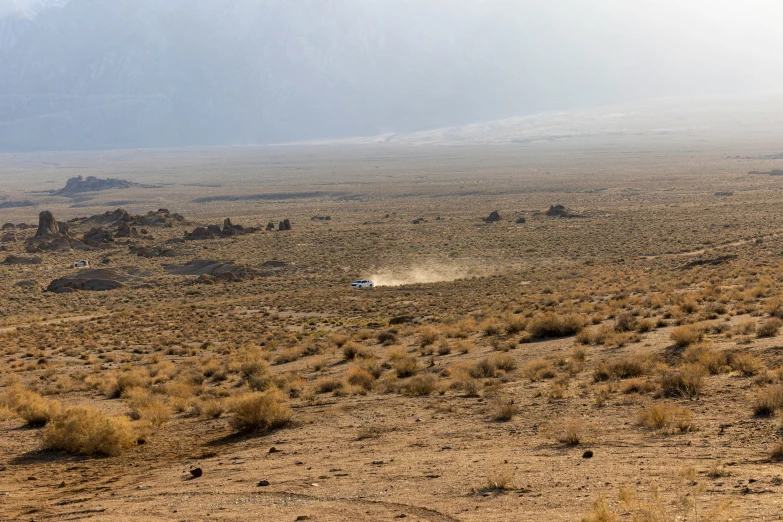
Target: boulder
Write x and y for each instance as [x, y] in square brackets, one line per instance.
[9, 237]
[26, 283]
[48, 226]
[8, 226]
[224, 271]
[520, 220]
[199, 233]
[214, 230]
[123, 230]
[94, 280]
[270, 226]
[493, 217]
[284, 225]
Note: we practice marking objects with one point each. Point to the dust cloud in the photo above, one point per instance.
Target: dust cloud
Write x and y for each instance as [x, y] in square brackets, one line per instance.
[419, 274]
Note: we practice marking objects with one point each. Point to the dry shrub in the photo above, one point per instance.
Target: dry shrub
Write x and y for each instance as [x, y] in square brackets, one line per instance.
[420, 385]
[252, 362]
[645, 325]
[119, 383]
[147, 407]
[666, 417]
[686, 381]
[777, 453]
[571, 433]
[427, 335]
[444, 347]
[462, 380]
[353, 350]
[29, 406]
[746, 364]
[406, 366]
[713, 361]
[492, 326]
[387, 337]
[686, 335]
[498, 479]
[539, 369]
[338, 339]
[769, 327]
[260, 411]
[769, 400]
[369, 432]
[328, 384]
[602, 513]
[358, 376]
[288, 355]
[208, 408]
[550, 324]
[87, 431]
[625, 322]
[503, 362]
[515, 323]
[637, 386]
[502, 409]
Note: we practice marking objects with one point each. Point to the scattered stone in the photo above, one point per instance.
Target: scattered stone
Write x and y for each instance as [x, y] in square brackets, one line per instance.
[587, 454]
[9, 237]
[321, 218]
[274, 450]
[302, 517]
[263, 483]
[26, 283]
[401, 319]
[520, 220]
[196, 472]
[493, 217]
[61, 485]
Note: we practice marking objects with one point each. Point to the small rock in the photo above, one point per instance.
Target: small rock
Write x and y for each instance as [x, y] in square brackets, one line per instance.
[274, 450]
[302, 517]
[61, 503]
[587, 454]
[196, 472]
[446, 448]
[61, 485]
[32, 478]
[263, 483]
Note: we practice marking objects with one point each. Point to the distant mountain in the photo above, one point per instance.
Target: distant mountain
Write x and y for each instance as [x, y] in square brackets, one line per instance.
[105, 74]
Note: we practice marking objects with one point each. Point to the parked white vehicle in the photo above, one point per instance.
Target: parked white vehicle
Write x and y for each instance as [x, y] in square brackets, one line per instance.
[362, 283]
[82, 263]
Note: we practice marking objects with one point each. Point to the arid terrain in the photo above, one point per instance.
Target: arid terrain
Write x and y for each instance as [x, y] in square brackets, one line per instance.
[603, 348]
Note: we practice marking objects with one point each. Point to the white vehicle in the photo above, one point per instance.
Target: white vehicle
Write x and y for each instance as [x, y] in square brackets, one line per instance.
[82, 263]
[362, 283]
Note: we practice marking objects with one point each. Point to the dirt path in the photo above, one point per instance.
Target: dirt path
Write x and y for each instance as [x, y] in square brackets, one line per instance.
[716, 248]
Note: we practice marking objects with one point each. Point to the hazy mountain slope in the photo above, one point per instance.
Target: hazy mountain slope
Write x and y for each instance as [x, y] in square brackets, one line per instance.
[98, 73]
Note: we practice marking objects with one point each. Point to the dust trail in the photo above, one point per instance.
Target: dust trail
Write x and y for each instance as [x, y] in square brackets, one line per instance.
[419, 274]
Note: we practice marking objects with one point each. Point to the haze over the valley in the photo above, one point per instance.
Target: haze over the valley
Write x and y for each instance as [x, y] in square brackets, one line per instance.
[93, 74]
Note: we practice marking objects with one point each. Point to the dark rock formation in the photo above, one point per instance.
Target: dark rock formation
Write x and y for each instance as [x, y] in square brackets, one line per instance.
[520, 220]
[561, 211]
[199, 233]
[150, 252]
[16, 260]
[9, 237]
[97, 236]
[270, 226]
[49, 227]
[321, 218]
[493, 217]
[97, 279]
[8, 226]
[284, 225]
[79, 185]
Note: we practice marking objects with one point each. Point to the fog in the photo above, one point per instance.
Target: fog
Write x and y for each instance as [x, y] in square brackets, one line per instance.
[84, 74]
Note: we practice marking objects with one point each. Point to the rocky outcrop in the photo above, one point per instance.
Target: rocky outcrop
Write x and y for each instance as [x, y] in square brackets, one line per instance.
[8, 226]
[520, 220]
[284, 225]
[17, 260]
[79, 185]
[48, 226]
[98, 236]
[199, 233]
[96, 280]
[561, 211]
[9, 237]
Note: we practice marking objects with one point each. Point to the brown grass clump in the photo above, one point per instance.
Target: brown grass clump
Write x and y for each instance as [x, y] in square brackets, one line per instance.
[539, 369]
[147, 407]
[353, 350]
[502, 409]
[769, 401]
[29, 406]
[358, 376]
[601, 512]
[686, 335]
[571, 433]
[637, 386]
[552, 325]
[746, 364]
[777, 453]
[769, 327]
[420, 385]
[119, 383]
[427, 335]
[406, 366]
[87, 431]
[328, 384]
[503, 362]
[687, 381]
[260, 411]
[666, 417]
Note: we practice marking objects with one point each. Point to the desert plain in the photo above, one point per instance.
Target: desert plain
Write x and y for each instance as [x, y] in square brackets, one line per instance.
[605, 347]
